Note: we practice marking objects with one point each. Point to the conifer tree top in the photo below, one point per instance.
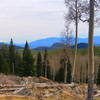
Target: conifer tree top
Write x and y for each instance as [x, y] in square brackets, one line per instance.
[26, 45]
[11, 41]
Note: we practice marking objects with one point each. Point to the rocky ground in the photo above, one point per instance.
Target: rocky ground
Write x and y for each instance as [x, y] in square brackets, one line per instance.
[41, 89]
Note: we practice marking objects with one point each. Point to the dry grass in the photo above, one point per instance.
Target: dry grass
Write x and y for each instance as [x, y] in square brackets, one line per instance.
[97, 98]
[29, 98]
[15, 98]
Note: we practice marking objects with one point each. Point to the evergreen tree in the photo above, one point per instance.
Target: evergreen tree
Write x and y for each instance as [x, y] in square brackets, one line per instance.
[81, 74]
[46, 67]
[60, 73]
[28, 61]
[49, 76]
[1, 62]
[98, 76]
[12, 56]
[39, 65]
[4, 60]
[45, 62]
[69, 72]
[87, 72]
[18, 64]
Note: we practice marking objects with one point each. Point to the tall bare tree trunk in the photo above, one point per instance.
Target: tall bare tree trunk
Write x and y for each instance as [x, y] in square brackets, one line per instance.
[76, 38]
[65, 72]
[46, 69]
[54, 74]
[13, 68]
[91, 52]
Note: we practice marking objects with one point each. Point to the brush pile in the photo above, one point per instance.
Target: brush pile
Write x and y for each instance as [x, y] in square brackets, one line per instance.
[42, 88]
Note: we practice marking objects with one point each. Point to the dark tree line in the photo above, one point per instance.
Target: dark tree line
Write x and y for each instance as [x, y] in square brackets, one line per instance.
[12, 62]
[44, 68]
[42, 65]
[59, 75]
[24, 64]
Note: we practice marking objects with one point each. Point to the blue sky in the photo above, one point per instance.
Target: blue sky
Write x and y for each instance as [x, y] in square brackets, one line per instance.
[33, 19]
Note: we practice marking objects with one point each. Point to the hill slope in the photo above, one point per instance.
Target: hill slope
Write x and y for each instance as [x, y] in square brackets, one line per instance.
[48, 42]
[7, 45]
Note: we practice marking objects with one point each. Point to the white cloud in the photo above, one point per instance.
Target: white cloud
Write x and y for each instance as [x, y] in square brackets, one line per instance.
[31, 19]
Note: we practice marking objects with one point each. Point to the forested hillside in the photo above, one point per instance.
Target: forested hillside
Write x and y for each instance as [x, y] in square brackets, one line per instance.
[47, 63]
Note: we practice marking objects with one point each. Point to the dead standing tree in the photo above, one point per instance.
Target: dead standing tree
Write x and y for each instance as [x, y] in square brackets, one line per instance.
[91, 9]
[73, 16]
[46, 62]
[91, 52]
[78, 10]
[85, 10]
[54, 63]
[66, 51]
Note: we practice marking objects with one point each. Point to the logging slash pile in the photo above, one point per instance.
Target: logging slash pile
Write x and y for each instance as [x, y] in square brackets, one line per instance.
[41, 89]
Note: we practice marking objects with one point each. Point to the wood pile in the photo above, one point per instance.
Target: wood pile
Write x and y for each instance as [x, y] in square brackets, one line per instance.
[43, 89]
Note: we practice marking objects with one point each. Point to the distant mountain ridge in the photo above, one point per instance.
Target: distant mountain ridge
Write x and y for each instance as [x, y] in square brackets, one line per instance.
[44, 42]
[60, 45]
[81, 45]
[48, 42]
[54, 46]
[7, 45]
